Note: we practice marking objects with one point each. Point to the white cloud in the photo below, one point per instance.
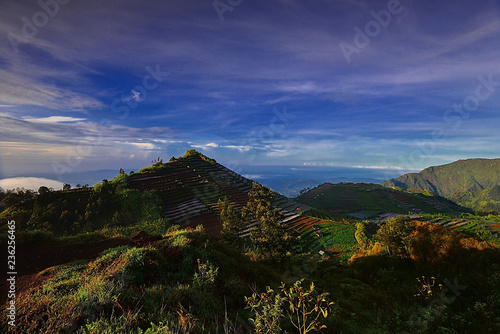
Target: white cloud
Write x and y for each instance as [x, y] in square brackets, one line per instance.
[253, 176]
[206, 146]
[241, 148]
[135, 96]
[54, 119]
[26, 89]
[383, 167]
[144, 146]
[32, 183]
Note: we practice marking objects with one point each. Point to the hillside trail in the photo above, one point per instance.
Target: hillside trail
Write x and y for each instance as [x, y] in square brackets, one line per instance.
[31, 259]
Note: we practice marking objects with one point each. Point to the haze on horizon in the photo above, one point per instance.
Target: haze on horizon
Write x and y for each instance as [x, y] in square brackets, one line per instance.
[374, 86]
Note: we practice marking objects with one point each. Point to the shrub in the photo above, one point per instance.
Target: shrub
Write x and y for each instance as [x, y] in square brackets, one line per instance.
[304, 307]
[205, 274]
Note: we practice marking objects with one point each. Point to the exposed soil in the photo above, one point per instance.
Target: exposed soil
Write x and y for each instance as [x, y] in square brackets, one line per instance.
[31, 259]
[210, 221]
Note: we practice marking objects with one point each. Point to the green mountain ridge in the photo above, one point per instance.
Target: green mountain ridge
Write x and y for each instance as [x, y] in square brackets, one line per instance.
[470, 183]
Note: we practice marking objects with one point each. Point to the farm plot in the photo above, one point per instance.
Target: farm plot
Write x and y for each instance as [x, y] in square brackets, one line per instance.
[185, 210]
[176, 176]
[320, 214]
[493, 227]
[331, 236]
[238, 196]
[216, 172]
[483, 229]
[301, 223]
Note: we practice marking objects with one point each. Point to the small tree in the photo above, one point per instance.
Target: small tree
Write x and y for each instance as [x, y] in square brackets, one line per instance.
[43, 190]
[394, 235]
[270, 238]
[231, 219]
[361, 236]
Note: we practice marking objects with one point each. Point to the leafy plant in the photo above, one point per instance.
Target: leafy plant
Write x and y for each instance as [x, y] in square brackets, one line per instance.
[426, 287]
[267, 308]
[305, 306]
[206, 274]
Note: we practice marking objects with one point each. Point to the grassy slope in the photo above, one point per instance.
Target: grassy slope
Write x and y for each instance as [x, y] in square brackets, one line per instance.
[462, 175]
[471, 183]
[129, 288]
[487, 200]
[152, 289]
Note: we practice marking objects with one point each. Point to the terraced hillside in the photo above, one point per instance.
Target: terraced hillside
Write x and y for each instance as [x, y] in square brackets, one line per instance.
[477, 228]
[190, 188]
[367, 199]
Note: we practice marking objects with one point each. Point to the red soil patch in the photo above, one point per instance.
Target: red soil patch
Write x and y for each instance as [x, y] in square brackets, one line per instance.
[210, 221]
[31, 259]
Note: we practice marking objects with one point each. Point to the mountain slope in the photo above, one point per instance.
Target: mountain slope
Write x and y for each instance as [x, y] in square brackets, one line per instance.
[191, 186]
[487, 200]
[462, 175]
[468, 182]
[183, 191]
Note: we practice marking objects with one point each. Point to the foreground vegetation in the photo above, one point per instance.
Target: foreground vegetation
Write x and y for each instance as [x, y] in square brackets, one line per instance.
[409, 277]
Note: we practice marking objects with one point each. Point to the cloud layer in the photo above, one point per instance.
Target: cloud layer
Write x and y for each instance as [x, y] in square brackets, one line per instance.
[29, 183]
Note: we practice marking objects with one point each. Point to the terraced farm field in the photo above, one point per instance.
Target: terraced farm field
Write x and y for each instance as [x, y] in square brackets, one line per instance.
[484, 228]
[334, 237]
[191, 187]
[303, 223]
[372, 199]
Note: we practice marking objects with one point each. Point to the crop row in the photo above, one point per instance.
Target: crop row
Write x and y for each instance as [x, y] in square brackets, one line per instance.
[331, 237]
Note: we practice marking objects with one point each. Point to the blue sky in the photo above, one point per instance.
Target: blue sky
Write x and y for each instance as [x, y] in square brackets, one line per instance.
[377, 86]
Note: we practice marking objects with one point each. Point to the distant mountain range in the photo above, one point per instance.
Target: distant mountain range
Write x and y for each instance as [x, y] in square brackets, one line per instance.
[474, 183]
